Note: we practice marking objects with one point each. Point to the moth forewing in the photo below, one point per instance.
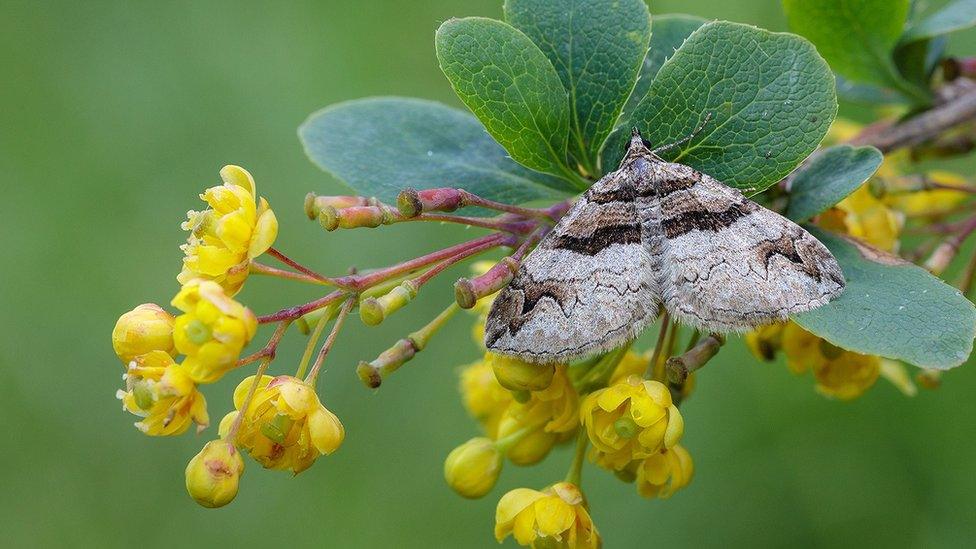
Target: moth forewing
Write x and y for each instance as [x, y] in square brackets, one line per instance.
[586, 288]
[656, 232]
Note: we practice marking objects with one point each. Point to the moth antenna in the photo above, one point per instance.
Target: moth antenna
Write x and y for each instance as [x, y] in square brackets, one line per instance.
[683, 140]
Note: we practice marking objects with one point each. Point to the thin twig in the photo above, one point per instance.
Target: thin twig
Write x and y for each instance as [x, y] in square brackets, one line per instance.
[313, 374]
[959, 108]
[270, 348]
[360, 282]
[262, 269]
[291, 313]
[296, 265]
[651, 372]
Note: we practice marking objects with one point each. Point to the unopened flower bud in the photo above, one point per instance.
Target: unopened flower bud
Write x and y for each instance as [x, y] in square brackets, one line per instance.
[374, 310]
[467, 291]
[518, 375]
[354, 217]
[472, 468]
[412, 203]
[329, 218]
[372, 373]
[143, 329]
[212, 476]
[314, 204]
[524, 448]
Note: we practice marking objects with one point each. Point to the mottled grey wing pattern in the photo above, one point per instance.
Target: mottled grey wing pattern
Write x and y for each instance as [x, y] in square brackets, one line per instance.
[728, 264]
[586, 288]
[655, 232]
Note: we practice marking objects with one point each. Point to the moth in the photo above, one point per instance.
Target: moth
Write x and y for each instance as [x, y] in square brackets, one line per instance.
[656, 233]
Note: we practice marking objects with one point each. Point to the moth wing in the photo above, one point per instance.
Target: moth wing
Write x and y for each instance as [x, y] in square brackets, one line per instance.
[729, 264]
[586, 288]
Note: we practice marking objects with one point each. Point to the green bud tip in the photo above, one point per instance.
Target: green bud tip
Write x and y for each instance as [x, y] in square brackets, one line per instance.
[409, 204]
[464, 293]
[369, 374]
[310, 209]
[329, 218]
[371, 312]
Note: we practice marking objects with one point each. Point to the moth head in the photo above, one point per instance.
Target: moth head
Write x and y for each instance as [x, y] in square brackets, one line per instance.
[637, 147]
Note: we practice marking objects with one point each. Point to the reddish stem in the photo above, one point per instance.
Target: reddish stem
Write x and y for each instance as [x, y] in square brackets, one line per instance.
[502, 240]
[296, 265]
[360, 282]
[260, 268]
[270, 348]
[292, 313]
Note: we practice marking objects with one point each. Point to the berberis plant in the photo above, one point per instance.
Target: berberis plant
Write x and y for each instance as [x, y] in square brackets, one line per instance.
[554, 91]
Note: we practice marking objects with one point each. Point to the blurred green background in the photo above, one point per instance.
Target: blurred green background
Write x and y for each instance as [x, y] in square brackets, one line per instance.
[116, 115]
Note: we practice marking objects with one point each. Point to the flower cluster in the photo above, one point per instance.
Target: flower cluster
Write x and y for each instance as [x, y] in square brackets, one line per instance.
[279, 421]
[630, 424]
[838, 373]
[209, 335]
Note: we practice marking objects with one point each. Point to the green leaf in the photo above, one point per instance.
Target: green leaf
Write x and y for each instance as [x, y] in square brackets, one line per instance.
[829, 177]
[893, 309]
[670, 31]
[958, 15]
[912, 61]
[596, 47]
[508, 83]
[857, 38]
[770, 95]
[379, 146]
[867, 94]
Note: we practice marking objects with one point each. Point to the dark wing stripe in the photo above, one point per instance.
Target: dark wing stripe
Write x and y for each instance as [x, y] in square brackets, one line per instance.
[704, 220]
[600, 239]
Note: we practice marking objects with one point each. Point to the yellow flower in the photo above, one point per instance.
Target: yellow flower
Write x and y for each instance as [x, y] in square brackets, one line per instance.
[529, 444]
[542, 420]
[285, 426]
[226, 237]
[213, 475]
[930, 201]
[839, 373]
[163, 394]
[554, 517]
[662, 474]
[632, 364]
[630, 420]
[847, 376]
[866, 218]
[555, 408]
[143, 329]
[802, 349]
[212, 331]
[484, 398]
[765, 340]
[518, 375]
[472, 468]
